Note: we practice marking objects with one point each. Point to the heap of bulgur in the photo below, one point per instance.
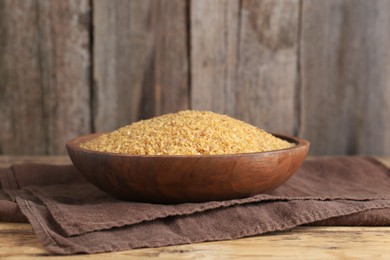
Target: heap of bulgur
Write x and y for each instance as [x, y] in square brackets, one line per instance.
[187, 133]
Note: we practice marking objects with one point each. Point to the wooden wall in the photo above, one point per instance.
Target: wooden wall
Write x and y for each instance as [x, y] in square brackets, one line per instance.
[313, 68]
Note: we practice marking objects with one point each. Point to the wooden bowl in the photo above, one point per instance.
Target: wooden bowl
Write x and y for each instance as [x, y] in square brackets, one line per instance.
[178, 179]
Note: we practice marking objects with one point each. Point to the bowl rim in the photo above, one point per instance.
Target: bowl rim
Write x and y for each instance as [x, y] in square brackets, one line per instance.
[74, 144]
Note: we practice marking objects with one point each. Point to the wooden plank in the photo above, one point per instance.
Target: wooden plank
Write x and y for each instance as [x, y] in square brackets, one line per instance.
[21, 128]
[18, 241]
[8, 160]
[346, 76]
[268, 64]
[115, 66]
[244, 60]
[171, 62]
[44, 75]
[140, 60]
[64, 56]
[214, 38]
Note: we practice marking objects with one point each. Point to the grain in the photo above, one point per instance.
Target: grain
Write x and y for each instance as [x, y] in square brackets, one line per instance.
[187, 132]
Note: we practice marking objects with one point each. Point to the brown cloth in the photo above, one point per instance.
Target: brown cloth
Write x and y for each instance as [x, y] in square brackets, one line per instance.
[69, 215]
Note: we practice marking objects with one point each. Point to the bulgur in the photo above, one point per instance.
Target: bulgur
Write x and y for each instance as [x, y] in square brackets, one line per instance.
[187, 132]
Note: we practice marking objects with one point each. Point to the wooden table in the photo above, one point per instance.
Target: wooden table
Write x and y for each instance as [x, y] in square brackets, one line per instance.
[17, 241]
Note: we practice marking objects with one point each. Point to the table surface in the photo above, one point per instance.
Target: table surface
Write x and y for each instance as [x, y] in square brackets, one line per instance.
[17, 241]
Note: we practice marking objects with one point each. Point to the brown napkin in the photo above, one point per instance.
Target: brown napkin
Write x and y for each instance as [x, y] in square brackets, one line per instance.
[71, 216]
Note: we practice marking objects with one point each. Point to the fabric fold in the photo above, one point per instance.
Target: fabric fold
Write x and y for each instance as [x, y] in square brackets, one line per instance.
[69, 215]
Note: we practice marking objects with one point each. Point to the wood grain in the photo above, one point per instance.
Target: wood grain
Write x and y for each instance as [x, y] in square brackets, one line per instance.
[346, 76]
[171, 76]
[140, 60]
[243, 62]
[154, 179]
[21, 96]
[17, 241]
[214, 32]
[7, 160]
[267, 68]
[44, 75]
[317, 69]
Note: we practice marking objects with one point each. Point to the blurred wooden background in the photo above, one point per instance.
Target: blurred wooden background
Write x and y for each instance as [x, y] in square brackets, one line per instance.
[314, 68]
